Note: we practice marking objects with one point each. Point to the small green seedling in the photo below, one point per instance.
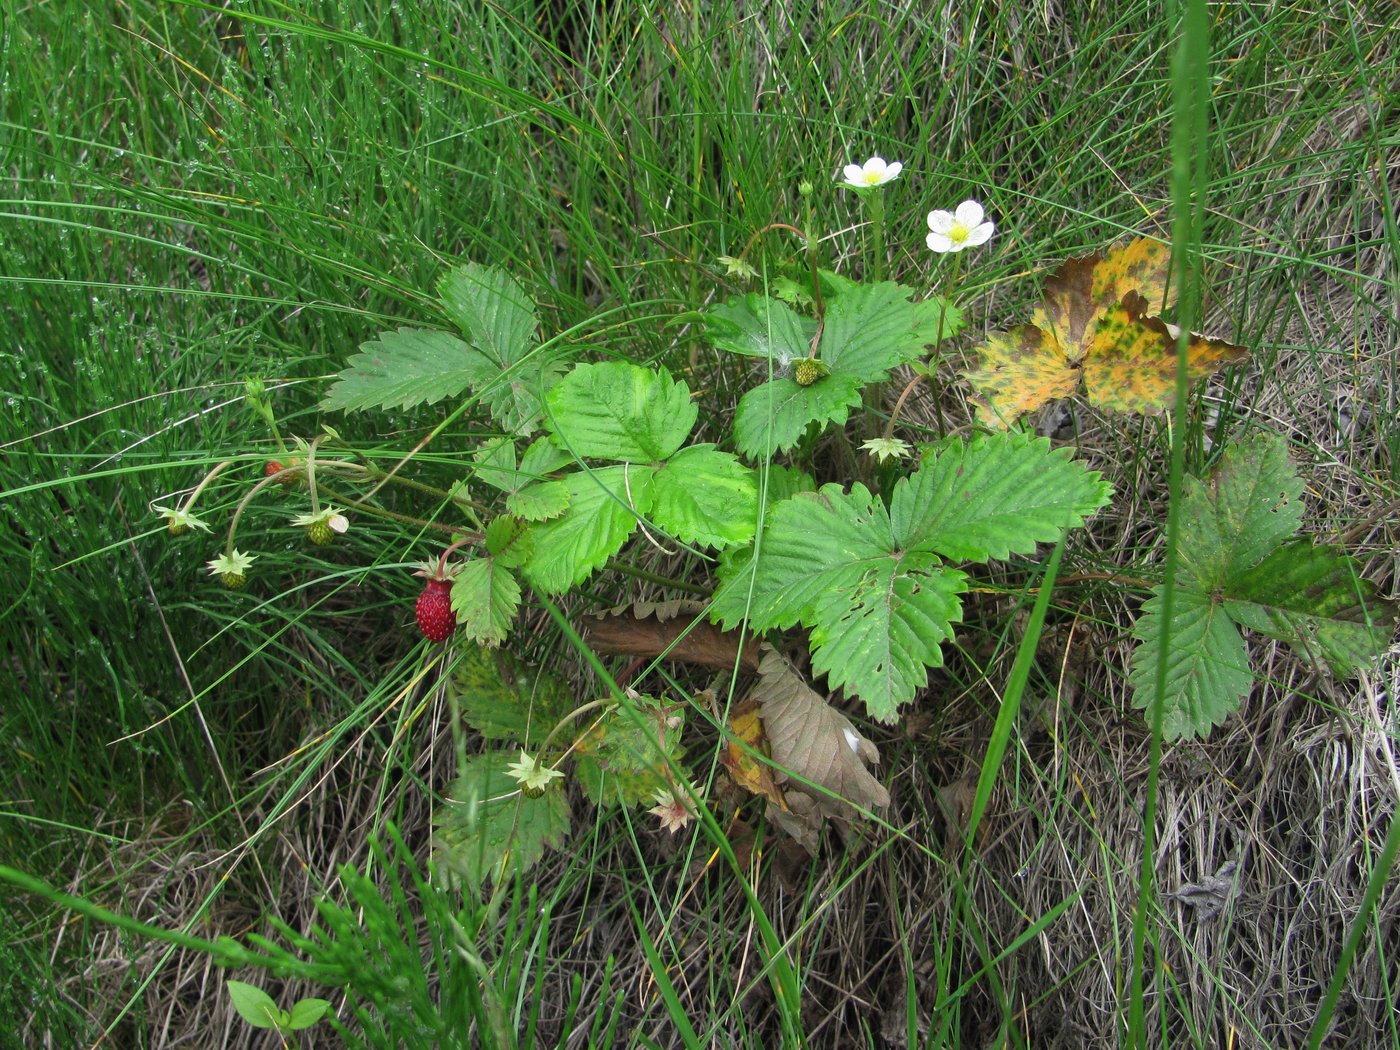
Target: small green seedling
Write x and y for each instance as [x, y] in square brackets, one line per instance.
[257, 1008]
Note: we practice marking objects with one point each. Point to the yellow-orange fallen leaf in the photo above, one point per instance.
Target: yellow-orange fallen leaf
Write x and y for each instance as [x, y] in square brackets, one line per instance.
[748, 770]
[1093, 325]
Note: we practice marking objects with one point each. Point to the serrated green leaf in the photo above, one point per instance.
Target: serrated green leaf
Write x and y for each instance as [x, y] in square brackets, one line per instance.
[814, 543]
[1248, 507]
[878, 639]
[490, 830]
[543, 457]
[407, 367]
[1313, 599]
[705, 496]
[494, 465]
[620, 411]
[485, 595]
[491, 310]
[872, 328]
[756, 326]
[993, 496]
[1208, 671]
[254, 1005]
[878, 610]
[773, 417]
[504, 699]
[604, 506]
[540, 502]
[508, 541]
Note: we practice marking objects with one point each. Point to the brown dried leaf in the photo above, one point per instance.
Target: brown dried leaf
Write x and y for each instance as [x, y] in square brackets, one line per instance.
[748, 770]
[648, 629]
[812, 743]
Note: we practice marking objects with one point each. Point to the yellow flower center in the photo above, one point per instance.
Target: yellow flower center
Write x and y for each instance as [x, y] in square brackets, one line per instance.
[959, 233]
[872, 177]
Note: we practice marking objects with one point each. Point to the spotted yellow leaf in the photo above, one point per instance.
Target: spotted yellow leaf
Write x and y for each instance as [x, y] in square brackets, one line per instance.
[1093, 326]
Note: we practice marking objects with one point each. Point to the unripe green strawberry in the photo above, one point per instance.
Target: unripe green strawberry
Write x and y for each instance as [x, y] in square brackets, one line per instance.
[807, 370]
[320, 533]
[434, 610]
[232, 568]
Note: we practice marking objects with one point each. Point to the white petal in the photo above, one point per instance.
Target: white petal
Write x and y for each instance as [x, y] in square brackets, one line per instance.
[853, 173]
[939, 242]
[980, 234]
[892, 172]
[874, 164]
[940, 222]
[970, 214]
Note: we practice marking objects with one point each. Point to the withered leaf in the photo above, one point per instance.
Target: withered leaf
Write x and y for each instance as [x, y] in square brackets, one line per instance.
[677, 628]
[814, 746]
[748, 769]
[1093, 325]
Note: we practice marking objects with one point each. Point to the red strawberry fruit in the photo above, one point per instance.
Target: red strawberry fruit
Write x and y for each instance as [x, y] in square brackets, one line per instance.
[434, 610]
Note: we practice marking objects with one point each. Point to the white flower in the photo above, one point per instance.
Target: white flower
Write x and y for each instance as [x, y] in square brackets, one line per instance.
[885, 448]
[953, 231]
[875, 172]
[533, 775]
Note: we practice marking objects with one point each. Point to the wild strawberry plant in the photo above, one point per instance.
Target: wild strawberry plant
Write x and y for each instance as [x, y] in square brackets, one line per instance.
[587, 461]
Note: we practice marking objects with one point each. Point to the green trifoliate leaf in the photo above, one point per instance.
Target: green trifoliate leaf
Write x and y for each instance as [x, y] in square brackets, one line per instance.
[1208, 670]
[997, 495]
[490, 829]
[756, 326]
[1247, 508]
[773, 417]
[869, 582]
[527, 496]
[604, 506]
[620, 411]
[485, 596]
[705, 496]
[407, 367]
[878, 611]
[1312, 599]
